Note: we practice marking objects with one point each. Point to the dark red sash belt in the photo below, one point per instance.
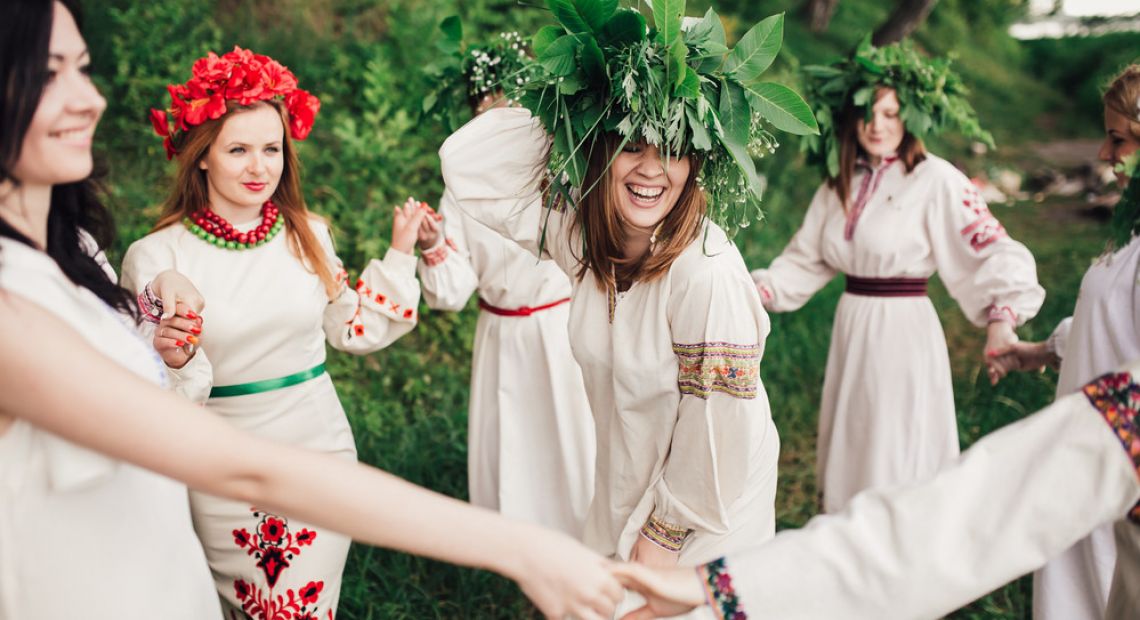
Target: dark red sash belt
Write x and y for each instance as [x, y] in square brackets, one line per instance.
[886, 287]
[523, 311]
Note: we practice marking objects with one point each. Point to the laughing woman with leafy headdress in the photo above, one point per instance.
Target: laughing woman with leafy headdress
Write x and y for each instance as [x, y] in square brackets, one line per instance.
[645, 134]
[1103, 333]
[889, 216]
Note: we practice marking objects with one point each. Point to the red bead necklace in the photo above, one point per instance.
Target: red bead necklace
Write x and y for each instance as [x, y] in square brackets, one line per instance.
[214, 229]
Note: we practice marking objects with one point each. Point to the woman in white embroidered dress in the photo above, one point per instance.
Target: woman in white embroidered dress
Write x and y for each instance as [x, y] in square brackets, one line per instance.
[272, 302]
[668, 333]
[530, 441]
[86, 531]
[1103, 333]
[894, 216]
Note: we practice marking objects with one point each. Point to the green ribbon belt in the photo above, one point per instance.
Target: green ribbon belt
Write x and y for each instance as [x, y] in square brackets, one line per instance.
[267, 385]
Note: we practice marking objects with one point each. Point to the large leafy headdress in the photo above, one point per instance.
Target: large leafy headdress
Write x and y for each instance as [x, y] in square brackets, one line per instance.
[931, 96]
[602, 69]
[468, 71]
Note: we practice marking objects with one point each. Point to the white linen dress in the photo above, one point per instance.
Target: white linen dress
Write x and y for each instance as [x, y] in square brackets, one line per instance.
[671, 366]
[887, 413]
[267, 316]
[530, 440]
[1102, 334]
[918, 551]
[83, 535]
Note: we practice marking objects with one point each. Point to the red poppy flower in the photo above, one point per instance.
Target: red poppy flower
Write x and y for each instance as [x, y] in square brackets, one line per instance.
[241, 537]
[277, 79]
[211, 68]
[160, 123]
[358, 329]
[303, 109]
[272, 530]
[306, 537]
[310, 592]
[168, 144]
[241, 590]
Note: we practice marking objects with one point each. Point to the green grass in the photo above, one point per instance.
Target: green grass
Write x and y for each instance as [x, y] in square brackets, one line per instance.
[407, 404]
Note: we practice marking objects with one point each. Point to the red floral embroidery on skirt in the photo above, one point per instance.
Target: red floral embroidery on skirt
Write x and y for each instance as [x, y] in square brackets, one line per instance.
[274, 547]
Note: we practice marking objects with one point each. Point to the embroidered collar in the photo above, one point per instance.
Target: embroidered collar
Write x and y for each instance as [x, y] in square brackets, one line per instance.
[867, 187]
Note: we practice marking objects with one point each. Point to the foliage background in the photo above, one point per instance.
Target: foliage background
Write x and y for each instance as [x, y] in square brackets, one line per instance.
[369, 150]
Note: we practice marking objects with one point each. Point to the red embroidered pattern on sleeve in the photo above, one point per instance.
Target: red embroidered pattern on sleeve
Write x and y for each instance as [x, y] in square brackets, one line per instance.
[707, 367]
[985, 229]
[667, 536]
[274, 547]
[1117, 397]
[356, 324]
[1001, 313]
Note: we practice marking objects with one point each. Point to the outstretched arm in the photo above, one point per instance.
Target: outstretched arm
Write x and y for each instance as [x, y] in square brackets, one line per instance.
[126, 418]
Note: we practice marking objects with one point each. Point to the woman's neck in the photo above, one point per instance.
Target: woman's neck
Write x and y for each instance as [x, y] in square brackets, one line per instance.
[25, 208]
[236, 214]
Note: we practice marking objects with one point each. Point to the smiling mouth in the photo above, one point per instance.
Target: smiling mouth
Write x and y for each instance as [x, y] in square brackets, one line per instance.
[644, 195]
[254, 187]
[80, 135]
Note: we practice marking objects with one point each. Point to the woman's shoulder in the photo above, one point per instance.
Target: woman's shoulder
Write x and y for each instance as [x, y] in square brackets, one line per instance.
[33, 274]
[934, 169]
[712, 256]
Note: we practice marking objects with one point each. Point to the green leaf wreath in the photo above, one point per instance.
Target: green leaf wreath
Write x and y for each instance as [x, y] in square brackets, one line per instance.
[932, 98]
[468, 72]
[676, 85]
[1126, 214]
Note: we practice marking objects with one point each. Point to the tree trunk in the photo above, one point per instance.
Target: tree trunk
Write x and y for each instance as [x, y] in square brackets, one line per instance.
[819, 13]
[907, 17]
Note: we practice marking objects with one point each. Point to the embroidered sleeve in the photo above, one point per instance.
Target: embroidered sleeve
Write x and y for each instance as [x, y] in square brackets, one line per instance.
[719, 591]
[1117, 397]
[799, 271]
[707, 367]
[990, 275]
[378, 310]
[665, 535]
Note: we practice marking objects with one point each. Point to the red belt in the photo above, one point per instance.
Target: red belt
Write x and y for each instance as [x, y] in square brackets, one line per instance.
[522, 311]
[886, 287]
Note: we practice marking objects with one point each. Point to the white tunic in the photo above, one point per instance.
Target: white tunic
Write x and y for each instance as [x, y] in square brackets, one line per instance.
[1103, 333]
[887, 413]
[82, 535]
[671, 366]
[530, 440]
[918, 551]
[267, 316]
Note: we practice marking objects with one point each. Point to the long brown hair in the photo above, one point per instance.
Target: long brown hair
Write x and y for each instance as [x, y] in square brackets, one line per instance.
[1122, 94]
[911, 152]
[191, 192]
[604, 236]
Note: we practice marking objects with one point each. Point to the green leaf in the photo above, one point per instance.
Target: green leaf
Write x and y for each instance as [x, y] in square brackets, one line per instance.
[708, 31]
[596, 12]
[756, 50]
[543, 38]
[559, 58]
[735, 115]
[782, 107]
[429, 101]
[566, 12]
[690, 85]
[701, 139]
[863, 96]
[667, 20]
[452, 29]
[626, 26]
[740, 155]
[571, 84]
[675, 63]
[593, 62]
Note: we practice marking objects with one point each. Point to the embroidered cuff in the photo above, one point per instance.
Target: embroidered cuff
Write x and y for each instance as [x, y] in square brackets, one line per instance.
[437, 254]
[719, 593]
[668, 537]
[707, 367]
[1001, 313]
[150, 306]
[1117, 397]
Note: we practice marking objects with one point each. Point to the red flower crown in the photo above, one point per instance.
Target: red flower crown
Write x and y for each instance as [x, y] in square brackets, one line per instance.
[239, 76]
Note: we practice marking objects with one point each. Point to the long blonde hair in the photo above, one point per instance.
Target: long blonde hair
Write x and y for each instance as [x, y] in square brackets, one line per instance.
[191, 192]
[1122, 95]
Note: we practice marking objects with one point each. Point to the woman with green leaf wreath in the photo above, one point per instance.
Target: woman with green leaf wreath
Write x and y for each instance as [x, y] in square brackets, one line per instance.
[890, 215]
[1104, 332]
[530, 440]
[645, 136]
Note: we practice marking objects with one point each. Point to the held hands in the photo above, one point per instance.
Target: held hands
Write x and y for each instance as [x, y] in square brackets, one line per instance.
[430, 228]
[1025, 356]
[646, 552]
[999, 337]
[667, 591]
[406, 222]
[563, 578]
[180, 326]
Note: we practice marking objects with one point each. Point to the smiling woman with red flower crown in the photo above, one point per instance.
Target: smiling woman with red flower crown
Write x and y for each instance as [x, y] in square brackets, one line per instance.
[236, 225]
